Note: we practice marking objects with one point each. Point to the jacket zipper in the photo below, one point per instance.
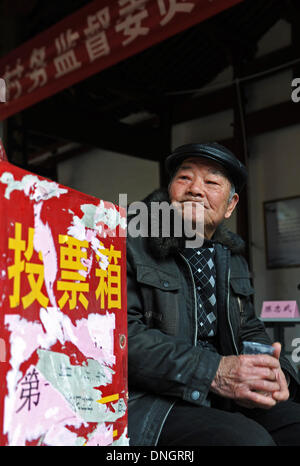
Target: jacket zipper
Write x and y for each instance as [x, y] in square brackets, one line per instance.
[240, 304]
[228, 312]
[240, 308]
[195, 341]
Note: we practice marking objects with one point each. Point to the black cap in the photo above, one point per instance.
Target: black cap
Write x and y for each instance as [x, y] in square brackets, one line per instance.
[236, 171]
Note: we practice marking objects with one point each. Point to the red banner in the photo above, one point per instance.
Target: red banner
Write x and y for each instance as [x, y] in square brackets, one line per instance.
[95, 37]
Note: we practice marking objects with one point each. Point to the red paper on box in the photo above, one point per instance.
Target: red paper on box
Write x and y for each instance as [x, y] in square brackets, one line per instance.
[63, 345]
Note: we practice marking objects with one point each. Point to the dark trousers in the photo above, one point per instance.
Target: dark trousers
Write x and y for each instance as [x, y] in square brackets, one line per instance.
[209, 426]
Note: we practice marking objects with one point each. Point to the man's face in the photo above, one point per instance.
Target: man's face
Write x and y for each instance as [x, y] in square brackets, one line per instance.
[199, 180]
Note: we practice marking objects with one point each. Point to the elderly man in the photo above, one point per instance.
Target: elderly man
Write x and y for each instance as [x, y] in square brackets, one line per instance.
[189, 312]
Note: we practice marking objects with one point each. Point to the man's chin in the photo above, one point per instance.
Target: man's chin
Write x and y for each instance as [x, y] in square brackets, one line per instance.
[192, 214]
[193, 210]
[193, 226]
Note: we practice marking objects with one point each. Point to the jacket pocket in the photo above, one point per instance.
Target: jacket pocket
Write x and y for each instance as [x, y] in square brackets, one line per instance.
[241, 293]
[157, 278]
[241, 286]
[160, 291]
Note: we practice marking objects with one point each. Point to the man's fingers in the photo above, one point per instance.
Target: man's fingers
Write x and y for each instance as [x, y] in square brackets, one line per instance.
[263, 373]
[260, 400]
[282, 395]
[264, 386]
[263, 360]
[277, 349]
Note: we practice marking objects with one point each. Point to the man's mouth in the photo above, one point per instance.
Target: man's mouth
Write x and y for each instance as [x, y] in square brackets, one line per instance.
[193, 201]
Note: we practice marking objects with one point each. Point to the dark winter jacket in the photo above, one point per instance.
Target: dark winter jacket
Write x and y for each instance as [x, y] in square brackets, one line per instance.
[164, 362]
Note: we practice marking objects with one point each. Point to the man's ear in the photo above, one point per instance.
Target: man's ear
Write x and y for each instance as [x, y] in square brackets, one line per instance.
[232, 204]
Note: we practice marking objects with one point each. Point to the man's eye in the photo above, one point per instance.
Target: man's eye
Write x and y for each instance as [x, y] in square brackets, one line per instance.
[211, 182]
[184, 177]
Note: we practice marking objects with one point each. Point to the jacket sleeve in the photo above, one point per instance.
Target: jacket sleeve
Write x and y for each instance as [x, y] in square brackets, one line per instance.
[161, 363]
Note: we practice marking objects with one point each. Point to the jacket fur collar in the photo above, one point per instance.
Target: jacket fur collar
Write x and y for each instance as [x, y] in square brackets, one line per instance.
[162, 247]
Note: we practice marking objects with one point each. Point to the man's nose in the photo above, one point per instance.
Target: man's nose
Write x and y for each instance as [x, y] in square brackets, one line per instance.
[196, 189]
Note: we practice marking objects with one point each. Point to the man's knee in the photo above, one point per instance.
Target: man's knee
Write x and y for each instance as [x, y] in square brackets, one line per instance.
[245, 432]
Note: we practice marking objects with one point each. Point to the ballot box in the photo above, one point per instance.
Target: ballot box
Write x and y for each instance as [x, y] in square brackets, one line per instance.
[63, 331]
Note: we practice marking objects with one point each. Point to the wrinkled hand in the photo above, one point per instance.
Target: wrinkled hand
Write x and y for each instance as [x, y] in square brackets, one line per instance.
[253, 381]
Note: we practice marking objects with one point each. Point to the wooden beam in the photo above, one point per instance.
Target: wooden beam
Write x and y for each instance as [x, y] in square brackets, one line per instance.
[271, 61]
[272, 118]
[268, 119]
[191, 108]
[66, 124]
[146, 142]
